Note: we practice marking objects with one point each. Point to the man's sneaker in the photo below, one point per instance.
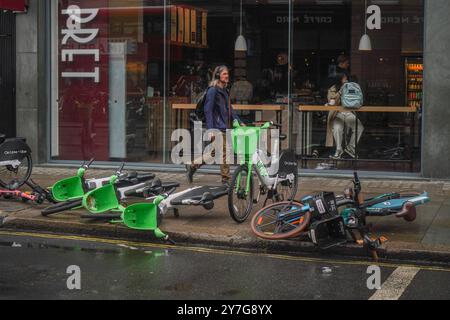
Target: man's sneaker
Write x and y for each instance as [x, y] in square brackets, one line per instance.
[190, 171]
[350, 152]
[226, 182]
[337, 155]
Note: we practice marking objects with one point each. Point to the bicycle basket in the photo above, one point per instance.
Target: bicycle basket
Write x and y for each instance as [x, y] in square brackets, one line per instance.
[68, 189]
[328, 233]
[245, 140]
[141, 216]
[101, 200]
[323, 206]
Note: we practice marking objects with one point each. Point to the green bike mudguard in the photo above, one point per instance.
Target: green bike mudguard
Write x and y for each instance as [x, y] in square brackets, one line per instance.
[68, 189]
[101, 200]
[143, 216]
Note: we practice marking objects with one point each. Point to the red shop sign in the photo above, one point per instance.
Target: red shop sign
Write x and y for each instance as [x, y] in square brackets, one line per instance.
[83, 80]
[13, 5]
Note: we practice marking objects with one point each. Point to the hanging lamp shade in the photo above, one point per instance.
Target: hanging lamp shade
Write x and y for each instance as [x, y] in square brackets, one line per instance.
[365, 44]
[241, 44]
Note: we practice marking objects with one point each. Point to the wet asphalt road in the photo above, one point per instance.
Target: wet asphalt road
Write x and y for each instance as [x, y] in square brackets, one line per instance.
[34, 267]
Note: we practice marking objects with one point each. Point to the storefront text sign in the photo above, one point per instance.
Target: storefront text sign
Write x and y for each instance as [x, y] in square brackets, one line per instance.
[83, 86]
[75, 32]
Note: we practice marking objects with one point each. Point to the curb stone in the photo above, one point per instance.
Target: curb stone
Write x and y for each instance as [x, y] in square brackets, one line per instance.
[398, 252]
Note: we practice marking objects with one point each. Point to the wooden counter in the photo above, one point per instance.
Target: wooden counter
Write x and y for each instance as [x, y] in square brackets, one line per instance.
[375, 109]
[246, 107]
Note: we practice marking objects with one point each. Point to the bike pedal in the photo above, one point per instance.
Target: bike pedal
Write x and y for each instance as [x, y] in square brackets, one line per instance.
[383, 239]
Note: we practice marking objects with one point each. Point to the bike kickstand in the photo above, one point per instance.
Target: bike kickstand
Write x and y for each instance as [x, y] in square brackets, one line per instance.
[167, 239]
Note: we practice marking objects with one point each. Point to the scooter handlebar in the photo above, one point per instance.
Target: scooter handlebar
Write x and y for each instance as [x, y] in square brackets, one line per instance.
[119, 172]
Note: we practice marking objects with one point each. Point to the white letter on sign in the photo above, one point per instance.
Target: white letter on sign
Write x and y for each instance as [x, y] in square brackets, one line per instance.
[67, 54]
[74, 22]
[95, 75]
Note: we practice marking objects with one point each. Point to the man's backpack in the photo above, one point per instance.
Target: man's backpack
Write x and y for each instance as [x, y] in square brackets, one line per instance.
[352, 96]
[199, 113]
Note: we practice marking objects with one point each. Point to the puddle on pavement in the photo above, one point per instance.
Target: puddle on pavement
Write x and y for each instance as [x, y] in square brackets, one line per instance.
[121, 249]
[10, 206]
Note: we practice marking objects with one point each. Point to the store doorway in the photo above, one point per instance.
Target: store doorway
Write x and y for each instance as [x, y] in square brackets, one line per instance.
[7, 73]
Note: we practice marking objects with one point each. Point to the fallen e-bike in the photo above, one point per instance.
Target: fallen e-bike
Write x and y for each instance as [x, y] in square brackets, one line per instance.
[68, 193]
[104, 201]
[328, 219]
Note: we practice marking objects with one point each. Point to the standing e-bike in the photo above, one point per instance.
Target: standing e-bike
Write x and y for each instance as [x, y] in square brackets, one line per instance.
[279, 186]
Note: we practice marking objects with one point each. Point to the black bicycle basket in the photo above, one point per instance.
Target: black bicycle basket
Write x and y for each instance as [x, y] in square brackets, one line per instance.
[323, 206]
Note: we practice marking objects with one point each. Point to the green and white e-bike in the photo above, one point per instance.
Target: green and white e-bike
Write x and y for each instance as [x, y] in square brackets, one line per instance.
[279, 185]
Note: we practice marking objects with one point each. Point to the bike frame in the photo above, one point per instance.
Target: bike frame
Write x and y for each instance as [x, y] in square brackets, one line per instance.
[166, 205]
[256, 164]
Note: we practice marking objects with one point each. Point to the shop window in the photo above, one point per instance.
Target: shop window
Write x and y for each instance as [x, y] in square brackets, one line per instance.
[259, 76]
[390, 76]
[126, 73]
[108, 61]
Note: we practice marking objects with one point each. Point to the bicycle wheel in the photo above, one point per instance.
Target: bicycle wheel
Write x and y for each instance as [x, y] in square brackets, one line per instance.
[280, 221]
[240, 203]
[287, 190]
[13, 177]
[62, 206]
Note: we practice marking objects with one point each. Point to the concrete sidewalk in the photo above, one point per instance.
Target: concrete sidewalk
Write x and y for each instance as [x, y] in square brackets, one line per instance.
[428, 238]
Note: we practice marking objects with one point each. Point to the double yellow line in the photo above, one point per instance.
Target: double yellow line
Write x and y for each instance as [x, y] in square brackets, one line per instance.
[218, 251]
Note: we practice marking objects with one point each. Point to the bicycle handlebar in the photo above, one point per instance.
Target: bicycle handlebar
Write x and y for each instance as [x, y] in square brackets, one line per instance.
[263, 125]
[87, 165]
[119, 172]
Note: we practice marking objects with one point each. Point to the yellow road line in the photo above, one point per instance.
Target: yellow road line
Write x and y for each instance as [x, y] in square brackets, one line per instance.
[218, 251]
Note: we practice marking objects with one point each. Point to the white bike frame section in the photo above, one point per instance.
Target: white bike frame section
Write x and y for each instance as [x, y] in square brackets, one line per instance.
[13, 163]
[270, 182]
[165, 205]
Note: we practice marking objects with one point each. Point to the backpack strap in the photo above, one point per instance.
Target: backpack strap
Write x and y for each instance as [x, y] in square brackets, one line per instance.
[229, 111]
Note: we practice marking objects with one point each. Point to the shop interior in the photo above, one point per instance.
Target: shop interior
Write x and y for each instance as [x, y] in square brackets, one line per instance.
[166, 72]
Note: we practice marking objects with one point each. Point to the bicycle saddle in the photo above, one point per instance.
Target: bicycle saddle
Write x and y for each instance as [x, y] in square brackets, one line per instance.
[408, 212]
[207, 201]
[135, 178]
[207, 197]
[156, 183]
[132, 175]
[170, 185]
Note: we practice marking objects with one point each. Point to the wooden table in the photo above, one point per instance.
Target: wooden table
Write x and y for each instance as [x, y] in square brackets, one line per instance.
[242, 107]
[377, 109]
[307, 127]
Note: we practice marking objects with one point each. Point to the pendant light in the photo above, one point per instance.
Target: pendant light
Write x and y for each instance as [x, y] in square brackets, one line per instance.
[365, 44]
[241, 43]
